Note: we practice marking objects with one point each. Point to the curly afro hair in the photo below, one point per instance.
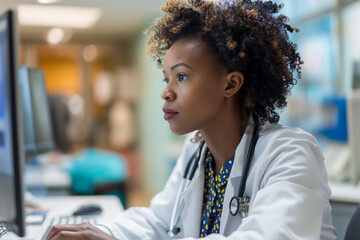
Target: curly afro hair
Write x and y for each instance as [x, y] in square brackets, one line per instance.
[246, 36]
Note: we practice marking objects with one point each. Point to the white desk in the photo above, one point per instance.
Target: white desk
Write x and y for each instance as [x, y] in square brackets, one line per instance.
[338, 166]
[49, 172]
[345, 192]
[66, 205]
[49, 176]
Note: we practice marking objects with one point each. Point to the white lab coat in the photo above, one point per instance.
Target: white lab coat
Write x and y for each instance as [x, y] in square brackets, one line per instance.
[287, 184]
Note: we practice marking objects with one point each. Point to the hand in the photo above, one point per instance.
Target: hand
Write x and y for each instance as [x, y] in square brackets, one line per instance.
[77, 231]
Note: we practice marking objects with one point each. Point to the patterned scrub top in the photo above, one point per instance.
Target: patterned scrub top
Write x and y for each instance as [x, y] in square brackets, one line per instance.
[214, 192]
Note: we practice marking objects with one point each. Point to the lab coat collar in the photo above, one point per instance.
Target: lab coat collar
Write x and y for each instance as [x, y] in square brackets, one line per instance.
[193, 198]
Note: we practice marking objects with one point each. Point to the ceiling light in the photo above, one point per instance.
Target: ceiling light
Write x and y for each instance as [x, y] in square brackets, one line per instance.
[55, 35]
[89, 53]
[58, 16]
[47, 1]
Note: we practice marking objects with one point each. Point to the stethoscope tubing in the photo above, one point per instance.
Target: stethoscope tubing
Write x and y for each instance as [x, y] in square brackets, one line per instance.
[190, 172]
[194, 164]
[248, 159]
[177, 207]
[188, 176]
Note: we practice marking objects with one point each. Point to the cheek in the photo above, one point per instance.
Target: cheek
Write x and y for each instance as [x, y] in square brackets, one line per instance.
[202, 99]
[197, 106]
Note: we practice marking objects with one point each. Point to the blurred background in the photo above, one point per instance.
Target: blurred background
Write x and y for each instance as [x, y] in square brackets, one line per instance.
[104, 93]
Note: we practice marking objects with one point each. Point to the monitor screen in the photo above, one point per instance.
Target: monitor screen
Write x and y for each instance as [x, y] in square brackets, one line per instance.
[38, 135]
[11, 192]
[41, 111]
[27, 112]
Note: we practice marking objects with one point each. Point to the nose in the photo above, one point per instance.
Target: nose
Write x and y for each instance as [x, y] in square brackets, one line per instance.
[167, 94]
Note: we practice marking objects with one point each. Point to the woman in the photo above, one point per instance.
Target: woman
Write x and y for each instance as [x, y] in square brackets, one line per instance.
[228, 68]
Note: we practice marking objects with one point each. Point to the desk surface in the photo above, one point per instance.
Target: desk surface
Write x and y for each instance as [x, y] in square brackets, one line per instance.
[345, 192]
[50, 175]
[66, 205]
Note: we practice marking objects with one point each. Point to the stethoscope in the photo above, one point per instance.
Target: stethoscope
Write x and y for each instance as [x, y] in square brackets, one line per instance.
[238, 203]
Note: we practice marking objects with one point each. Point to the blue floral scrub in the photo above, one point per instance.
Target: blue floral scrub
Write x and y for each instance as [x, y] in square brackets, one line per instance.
[214, 192]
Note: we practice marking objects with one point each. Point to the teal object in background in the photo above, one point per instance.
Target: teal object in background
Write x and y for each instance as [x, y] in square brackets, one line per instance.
[93, 167]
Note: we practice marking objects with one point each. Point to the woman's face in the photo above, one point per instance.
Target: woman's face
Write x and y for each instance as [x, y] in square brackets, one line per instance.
[194, 93]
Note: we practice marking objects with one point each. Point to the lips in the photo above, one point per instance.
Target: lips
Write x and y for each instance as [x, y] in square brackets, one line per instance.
[169, 113]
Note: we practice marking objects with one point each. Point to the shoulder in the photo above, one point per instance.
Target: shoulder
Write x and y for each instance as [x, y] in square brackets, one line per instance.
[279, 137]
[285, 153]
[272, 131]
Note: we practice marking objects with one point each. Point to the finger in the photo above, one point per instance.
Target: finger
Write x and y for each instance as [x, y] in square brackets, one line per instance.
[85, 231]
[58, 228]
[69, 235]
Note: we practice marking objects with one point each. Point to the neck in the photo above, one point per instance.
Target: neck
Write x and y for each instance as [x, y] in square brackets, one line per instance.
[224, 137]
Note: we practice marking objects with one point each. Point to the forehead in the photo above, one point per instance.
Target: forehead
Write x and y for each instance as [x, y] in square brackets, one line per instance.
[188, 50]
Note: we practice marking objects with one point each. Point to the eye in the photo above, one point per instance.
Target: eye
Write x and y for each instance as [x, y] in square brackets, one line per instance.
[182, 77]
[166, 80]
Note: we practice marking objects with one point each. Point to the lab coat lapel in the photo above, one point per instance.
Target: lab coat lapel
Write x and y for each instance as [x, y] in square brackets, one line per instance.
[234, 182]
[193, 198]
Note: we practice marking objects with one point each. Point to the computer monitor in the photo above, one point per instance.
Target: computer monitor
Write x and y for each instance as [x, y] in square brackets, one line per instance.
[41, 111]
[27, 113]
[60, 117]
[36, 111]
[11, 151]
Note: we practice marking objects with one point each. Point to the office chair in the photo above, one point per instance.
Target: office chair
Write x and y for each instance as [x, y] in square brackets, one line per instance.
[353, 229]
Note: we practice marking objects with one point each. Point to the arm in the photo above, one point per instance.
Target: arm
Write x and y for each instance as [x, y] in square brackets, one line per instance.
[134, 223]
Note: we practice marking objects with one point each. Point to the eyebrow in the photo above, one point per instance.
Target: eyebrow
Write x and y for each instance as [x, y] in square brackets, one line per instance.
[180, 64]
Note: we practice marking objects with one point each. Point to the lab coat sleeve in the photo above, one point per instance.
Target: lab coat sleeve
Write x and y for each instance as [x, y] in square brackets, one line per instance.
[292, 193]
[140, 223]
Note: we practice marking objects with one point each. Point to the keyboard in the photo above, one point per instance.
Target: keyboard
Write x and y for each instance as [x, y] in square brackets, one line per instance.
[3, 230]
[64, 220]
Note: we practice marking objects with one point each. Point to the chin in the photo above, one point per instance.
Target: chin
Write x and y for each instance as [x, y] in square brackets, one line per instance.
[178, 130]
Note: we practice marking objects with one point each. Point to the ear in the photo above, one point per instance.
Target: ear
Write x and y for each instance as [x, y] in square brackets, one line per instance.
[234, 81]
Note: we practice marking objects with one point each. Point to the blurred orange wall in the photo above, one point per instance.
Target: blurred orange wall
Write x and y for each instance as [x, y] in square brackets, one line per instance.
[62, 75]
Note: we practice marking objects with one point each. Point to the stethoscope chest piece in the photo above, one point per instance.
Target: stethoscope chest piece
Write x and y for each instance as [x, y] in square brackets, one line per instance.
[173, 233]
[239, 205]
